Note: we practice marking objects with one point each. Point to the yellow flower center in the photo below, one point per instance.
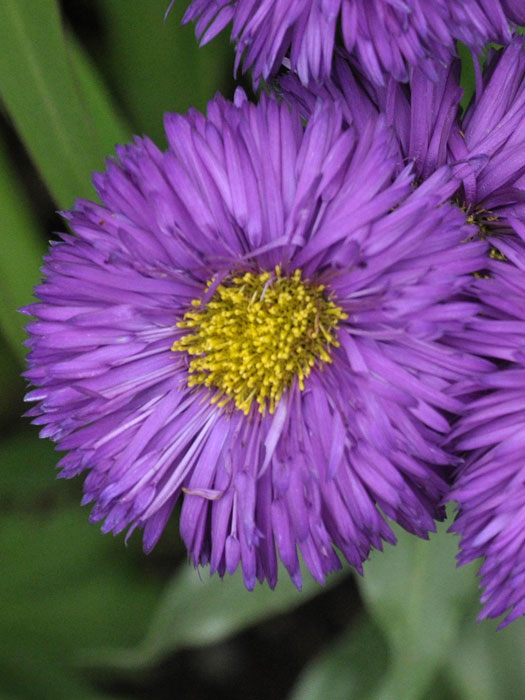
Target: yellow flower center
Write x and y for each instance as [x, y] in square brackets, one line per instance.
[256, 334]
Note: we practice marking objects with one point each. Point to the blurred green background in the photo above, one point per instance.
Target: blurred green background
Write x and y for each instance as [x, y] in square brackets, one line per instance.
[83, 616]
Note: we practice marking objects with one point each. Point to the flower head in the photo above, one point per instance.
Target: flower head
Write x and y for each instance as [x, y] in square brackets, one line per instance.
[488, 146]
[256, 322]
[489, 140]
[489, 488]
[386, 36]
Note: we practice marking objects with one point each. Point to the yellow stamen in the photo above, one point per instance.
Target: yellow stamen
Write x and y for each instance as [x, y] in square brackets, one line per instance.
[256, 334]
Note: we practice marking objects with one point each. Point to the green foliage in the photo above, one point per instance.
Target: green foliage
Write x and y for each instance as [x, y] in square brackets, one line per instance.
[350, 668]
[468, 76]
[28, 469]
[200, 609]
[21, 255]
[66, 588]
[158, 67]
[418, 597]
[44, 98]
[486, 663]
[11, 384]
[420, 640]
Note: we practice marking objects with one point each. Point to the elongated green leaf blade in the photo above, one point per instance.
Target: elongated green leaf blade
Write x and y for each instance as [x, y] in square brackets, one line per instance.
[21, 252]
[157, 66]
[98, 102]
[44, 98]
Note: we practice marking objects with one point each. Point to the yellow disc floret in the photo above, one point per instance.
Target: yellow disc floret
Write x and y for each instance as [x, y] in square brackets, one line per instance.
[256, 334]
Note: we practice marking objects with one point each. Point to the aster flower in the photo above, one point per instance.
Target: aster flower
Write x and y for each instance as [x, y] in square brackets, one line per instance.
[489, 141]
[490, 138]
[489, 144]
[255, 322]
[385, 36]
[489, 488]
[426, 117]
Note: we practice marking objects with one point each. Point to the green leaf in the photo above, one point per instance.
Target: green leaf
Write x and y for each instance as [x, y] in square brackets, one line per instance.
[70, 584]
[488, 664]
[349, 668]
[65, 588]
[42, 677]
[157, 66]
[28, 467]
[20, 255]
[468, 76]
[419, 598]
[197, 611]
[440, 688]
[44, 98]
[108, 123]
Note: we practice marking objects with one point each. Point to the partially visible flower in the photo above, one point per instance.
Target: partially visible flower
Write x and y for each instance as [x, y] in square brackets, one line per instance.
[490, 138]
[490, 486]
[385, 36]
[256, 322]
[488, 144]
[357, 98]
[426, 116]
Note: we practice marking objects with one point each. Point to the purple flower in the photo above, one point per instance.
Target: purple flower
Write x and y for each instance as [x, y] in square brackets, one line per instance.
[489, 141]
[490, 138]
[490, 487]
[257, 322]
[426, 117]
[488, 146]
[385, 36]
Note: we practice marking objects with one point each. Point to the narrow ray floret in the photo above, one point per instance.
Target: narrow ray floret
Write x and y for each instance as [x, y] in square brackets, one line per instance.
[256, 322]
[386, 37]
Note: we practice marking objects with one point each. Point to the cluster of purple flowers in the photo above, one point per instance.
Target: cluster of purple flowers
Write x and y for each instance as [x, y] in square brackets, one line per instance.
[306, 318]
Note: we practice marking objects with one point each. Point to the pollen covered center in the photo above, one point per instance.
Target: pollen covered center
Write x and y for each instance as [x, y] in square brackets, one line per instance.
[256, 334]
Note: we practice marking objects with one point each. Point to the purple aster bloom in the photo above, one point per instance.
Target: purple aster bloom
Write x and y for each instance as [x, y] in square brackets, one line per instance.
[489, 488]
[489, 144]
[256, 322]
[426, 117]
[490, 140]
[385, 36]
